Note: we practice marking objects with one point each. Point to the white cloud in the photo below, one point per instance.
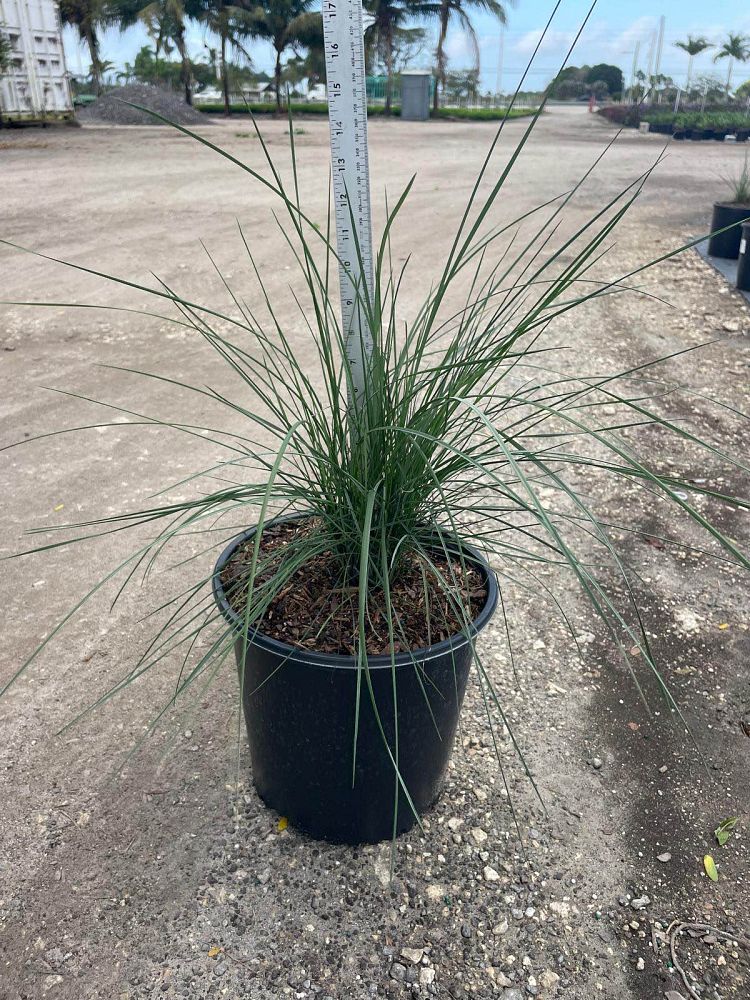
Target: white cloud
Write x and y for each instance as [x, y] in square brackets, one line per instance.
[554, 41]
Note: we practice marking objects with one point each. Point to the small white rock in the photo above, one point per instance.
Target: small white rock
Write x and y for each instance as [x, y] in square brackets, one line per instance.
[548, 979]
[413, 955]
[490, 875]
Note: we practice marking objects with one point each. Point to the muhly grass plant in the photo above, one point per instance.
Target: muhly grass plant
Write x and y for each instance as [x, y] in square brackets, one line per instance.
[740, 185]
[465, 433]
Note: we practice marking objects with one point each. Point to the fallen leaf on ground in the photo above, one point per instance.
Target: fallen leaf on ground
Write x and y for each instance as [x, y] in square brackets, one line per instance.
[710, 866]
[213, 952]
[725, 829]
[724, 625]
[282, 824]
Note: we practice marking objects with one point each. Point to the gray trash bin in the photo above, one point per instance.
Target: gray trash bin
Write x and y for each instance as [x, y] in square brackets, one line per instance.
[415, 95]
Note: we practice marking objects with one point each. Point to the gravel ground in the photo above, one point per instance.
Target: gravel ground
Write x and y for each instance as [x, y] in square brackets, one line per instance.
[174, 880]
[110, 109]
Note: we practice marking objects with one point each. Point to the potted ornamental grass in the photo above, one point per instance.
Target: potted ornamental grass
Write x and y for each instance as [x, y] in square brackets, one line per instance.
[728, 216]
[365, 539]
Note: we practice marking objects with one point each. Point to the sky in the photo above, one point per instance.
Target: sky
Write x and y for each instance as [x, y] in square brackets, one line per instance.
[611, 35]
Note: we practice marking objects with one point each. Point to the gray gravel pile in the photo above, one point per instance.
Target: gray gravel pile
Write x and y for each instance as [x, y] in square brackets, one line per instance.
[112, 109]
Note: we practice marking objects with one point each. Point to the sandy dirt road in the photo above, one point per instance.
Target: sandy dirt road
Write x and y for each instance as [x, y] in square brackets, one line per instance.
[171, 881]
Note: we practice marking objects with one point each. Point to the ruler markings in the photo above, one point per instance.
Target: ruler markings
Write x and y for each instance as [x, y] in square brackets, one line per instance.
[347, 118]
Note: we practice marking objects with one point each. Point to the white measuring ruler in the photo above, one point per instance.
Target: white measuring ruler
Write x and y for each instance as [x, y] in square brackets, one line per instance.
[347, 118]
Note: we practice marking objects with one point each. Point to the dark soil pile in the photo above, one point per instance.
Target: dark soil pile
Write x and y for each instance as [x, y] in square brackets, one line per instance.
[111, 108]
[313, 610]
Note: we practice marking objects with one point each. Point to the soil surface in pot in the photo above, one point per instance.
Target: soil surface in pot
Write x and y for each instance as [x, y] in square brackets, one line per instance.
[315, 611]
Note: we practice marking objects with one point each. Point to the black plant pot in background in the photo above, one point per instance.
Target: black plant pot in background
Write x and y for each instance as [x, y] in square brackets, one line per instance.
[300, 709]
[727, 244]
[743, 261]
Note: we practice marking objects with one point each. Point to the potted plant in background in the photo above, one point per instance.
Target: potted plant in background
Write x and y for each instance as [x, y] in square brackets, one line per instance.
[728, 216]
[358, 529]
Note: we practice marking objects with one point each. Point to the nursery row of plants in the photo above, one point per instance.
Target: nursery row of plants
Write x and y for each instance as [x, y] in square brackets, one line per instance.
[375, 111]
[715, 124]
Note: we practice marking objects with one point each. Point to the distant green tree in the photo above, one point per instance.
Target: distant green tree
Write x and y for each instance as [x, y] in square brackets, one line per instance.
[461, 86]
[233, 23]
[569, 83]
[285, 24]
[448, 11]
[388, 29]
[147, 67]
[603, 80]
[165, 22]
[709, 88]
[610, 75]
[309, 68]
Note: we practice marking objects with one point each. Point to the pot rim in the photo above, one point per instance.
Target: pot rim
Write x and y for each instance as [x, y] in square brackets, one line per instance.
[736, 206]
[337, 661]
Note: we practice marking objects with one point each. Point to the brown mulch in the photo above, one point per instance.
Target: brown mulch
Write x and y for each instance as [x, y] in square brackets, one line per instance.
[316, 610]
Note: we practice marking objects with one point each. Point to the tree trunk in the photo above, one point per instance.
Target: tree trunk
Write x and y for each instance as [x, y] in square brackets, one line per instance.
[690, 73]
[186, 71]
[444, 15]
[277, 81]
[388, 67]
[93, 43]
[729, 74]
[224, 75]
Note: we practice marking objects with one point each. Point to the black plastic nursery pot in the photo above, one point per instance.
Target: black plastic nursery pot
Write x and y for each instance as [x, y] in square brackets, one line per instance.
[743, 261]
[727, 244]
[299, 711]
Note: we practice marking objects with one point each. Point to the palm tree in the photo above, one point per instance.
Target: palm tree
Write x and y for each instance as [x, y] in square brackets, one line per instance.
[693, 47]
[233, 24]
[158, 28]
[284, 23]
[390, 16]
[735, 48]
[165, 22]
[87, 16]
[458, 10]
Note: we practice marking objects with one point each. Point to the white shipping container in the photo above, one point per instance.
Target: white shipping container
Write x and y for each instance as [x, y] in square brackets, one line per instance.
[36, 86]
